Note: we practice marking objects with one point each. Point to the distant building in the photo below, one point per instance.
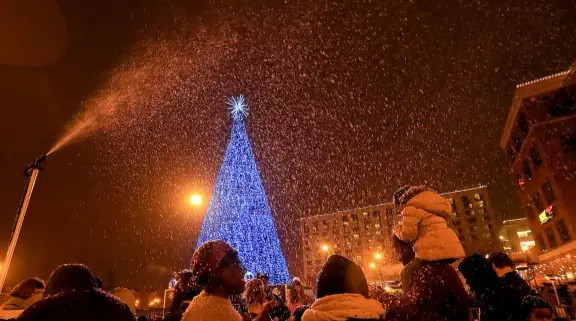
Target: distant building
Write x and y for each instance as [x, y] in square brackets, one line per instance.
[539, 140]
[363, 234]
[516, 236]
[475, 221]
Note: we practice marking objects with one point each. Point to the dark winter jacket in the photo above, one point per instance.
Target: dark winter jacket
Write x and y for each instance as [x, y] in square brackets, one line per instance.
[516, 288]
[92, 305]
[516, 283]
[432, 291]
[489, 293]
[491, 300]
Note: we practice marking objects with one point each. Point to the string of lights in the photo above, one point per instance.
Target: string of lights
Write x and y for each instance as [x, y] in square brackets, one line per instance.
[239, 212]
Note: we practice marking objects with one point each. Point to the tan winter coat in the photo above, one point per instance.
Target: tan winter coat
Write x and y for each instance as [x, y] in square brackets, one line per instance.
[424, 225]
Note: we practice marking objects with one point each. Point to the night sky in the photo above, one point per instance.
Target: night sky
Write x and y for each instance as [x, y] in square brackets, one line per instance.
[348, 101]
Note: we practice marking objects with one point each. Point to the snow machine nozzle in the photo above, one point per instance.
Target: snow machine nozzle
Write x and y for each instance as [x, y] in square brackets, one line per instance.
[38, 163]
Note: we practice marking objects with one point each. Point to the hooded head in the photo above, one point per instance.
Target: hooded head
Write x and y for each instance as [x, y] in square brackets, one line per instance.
[28, 288]
[423, 198]
[406, 193]
[340, 275]
[402, 250]
[70, 277]
[478, 272]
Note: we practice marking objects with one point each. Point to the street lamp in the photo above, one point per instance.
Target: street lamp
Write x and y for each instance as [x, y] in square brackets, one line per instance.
[324, 248]
[372, 265]
[195, 200]
[378, 258]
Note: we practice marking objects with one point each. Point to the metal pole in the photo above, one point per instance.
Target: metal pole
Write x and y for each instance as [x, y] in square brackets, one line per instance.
[32, 172]
[164, 303]
[555, 291]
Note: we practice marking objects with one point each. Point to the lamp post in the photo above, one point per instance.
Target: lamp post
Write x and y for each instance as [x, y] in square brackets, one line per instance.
[195, 201]
[31, 172]
[378, 258]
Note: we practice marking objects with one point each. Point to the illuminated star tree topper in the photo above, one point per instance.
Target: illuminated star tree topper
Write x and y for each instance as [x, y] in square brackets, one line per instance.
[237, 106]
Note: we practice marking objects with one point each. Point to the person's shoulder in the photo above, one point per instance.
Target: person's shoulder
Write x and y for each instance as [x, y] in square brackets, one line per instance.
[196, 314]
[40, 308]
[114, 304]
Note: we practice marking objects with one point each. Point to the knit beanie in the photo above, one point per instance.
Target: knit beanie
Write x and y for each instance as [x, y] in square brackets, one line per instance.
[405, 193]
[70, 277]
[206, 260]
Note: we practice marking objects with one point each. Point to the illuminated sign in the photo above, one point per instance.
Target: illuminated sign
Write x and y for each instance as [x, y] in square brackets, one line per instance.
[546, 215]
[527, 245]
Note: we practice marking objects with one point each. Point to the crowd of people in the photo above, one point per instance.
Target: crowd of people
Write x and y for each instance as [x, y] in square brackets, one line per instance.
[214, 289]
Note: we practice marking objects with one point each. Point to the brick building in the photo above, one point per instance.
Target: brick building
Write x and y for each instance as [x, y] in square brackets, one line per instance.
[539, 140]
[516, 236]
[363, 234]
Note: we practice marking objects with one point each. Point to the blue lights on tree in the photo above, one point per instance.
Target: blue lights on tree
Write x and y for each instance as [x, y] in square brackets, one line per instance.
[239, 212]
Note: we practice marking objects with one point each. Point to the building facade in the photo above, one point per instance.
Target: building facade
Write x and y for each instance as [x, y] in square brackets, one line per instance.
[363, 234]
[516, 236]
[539, 140]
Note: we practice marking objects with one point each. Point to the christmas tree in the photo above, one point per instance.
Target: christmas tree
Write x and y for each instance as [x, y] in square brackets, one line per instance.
[239, 212]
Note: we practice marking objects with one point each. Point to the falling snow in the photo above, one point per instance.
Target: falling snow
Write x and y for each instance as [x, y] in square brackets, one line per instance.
[349, 100]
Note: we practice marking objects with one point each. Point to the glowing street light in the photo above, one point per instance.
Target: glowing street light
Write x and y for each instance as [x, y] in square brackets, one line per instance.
[195, 200]
[378, 256]
[324, 248]
[372, 265]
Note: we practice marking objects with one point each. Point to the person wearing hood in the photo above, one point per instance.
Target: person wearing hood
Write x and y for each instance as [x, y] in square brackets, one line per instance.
[432, 290]
[25, 294]
[22, 296]
[489, 294]
[342, 294]
[424, 224]
[72, 294]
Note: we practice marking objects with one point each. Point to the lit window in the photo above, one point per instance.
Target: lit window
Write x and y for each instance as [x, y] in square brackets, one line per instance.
[524, 233]
[356, 236]
[526, 245]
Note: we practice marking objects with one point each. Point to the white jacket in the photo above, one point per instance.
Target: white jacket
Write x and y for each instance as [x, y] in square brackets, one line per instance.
[424, 225]
[341, 307]
[15, 303]
[206, 307]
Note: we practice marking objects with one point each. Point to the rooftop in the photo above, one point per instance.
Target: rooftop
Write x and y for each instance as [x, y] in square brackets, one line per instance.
[534, 88]
[389, 203]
